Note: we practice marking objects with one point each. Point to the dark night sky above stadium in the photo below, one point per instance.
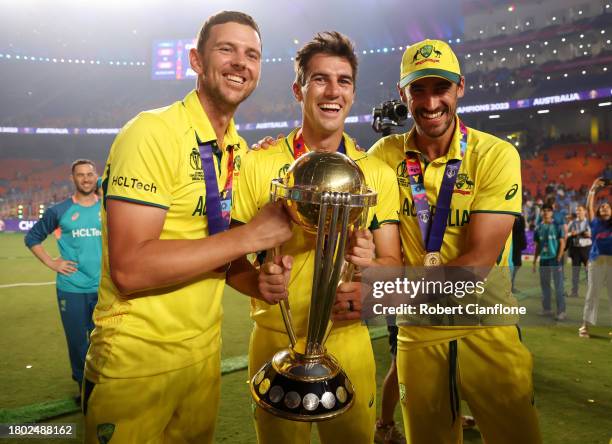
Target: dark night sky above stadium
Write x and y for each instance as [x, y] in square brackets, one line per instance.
[115, 28]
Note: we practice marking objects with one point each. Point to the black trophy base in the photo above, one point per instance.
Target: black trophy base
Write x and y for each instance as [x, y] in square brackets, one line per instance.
[302, 388]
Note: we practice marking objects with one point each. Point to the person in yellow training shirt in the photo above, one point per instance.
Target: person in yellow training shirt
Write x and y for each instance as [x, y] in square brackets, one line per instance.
[326, 69]
[153, 368]
[438, 366]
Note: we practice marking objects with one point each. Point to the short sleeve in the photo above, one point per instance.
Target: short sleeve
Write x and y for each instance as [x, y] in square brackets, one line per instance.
[143, 162]
[250, 190]
[388, 202]
[499, 188]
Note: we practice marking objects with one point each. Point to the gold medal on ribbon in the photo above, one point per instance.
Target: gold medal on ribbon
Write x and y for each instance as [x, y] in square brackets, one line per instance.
[433, 259]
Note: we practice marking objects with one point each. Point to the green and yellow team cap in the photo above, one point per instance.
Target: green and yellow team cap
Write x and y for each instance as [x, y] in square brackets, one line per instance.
[429, 58]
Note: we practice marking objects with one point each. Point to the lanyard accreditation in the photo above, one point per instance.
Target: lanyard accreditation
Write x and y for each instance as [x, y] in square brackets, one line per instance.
[432, 232]
[218, 204]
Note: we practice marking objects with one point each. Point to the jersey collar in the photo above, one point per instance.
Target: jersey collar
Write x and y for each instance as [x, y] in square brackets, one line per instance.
[201, 123]
[454, 151]
[349, 144]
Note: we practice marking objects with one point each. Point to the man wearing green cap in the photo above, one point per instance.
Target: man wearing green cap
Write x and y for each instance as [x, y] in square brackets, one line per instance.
[460, 190]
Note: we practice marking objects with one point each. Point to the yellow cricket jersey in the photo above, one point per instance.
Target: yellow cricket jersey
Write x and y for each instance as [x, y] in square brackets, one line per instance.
[155, 161]
[489, 181]
[258, 169]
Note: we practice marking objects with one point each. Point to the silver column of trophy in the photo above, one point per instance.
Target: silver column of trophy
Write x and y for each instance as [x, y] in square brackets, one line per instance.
[326, 195]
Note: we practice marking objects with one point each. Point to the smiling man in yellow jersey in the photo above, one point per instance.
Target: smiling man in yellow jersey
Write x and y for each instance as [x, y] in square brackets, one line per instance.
[438, 366]
[153, 367]
[326, 69]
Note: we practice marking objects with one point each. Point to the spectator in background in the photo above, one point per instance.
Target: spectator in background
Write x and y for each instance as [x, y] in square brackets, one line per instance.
[600, 259]
[560, 221]
[579, 240]
[550, 242]
[78, 266]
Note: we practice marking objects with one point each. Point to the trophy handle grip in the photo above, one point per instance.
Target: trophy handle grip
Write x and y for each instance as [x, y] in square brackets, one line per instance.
[284, 306]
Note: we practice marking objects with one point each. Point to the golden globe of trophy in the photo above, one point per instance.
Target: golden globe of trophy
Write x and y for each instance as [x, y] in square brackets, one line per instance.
[326, 195]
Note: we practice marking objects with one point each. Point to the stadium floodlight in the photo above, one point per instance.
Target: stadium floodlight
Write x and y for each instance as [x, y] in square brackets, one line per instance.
[547, 77]
[296, 41]
[580, 12]
[565, 75]
[503, 28]
[603, 31]
[546, 43]
[543, 111]
[527, 46]
[511, 49]
[554, 18]
[554, 51]
[481, 31]
[511, 8]
[583, 72]
[582, 111]
[527, 23]
[605, 68]
[495, 51]
[608, 41]
[364, 52]
[563, 39]
[581, 36]
[604, 104]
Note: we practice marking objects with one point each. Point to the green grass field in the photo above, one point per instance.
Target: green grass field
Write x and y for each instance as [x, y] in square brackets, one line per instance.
[573, 376]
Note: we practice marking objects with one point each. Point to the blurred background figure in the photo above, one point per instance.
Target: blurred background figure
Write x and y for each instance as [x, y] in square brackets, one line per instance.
[600, 259]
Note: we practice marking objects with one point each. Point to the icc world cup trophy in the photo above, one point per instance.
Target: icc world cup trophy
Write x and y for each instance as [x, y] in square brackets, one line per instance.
[326, 195]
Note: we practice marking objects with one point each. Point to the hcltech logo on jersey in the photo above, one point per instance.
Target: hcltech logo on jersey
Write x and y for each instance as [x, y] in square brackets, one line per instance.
[86, 232]
[133, 182]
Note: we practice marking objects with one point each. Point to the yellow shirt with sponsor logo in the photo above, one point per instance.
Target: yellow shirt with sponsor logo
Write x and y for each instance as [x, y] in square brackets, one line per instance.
[155, 161]
[488, 181]
[258, 169]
